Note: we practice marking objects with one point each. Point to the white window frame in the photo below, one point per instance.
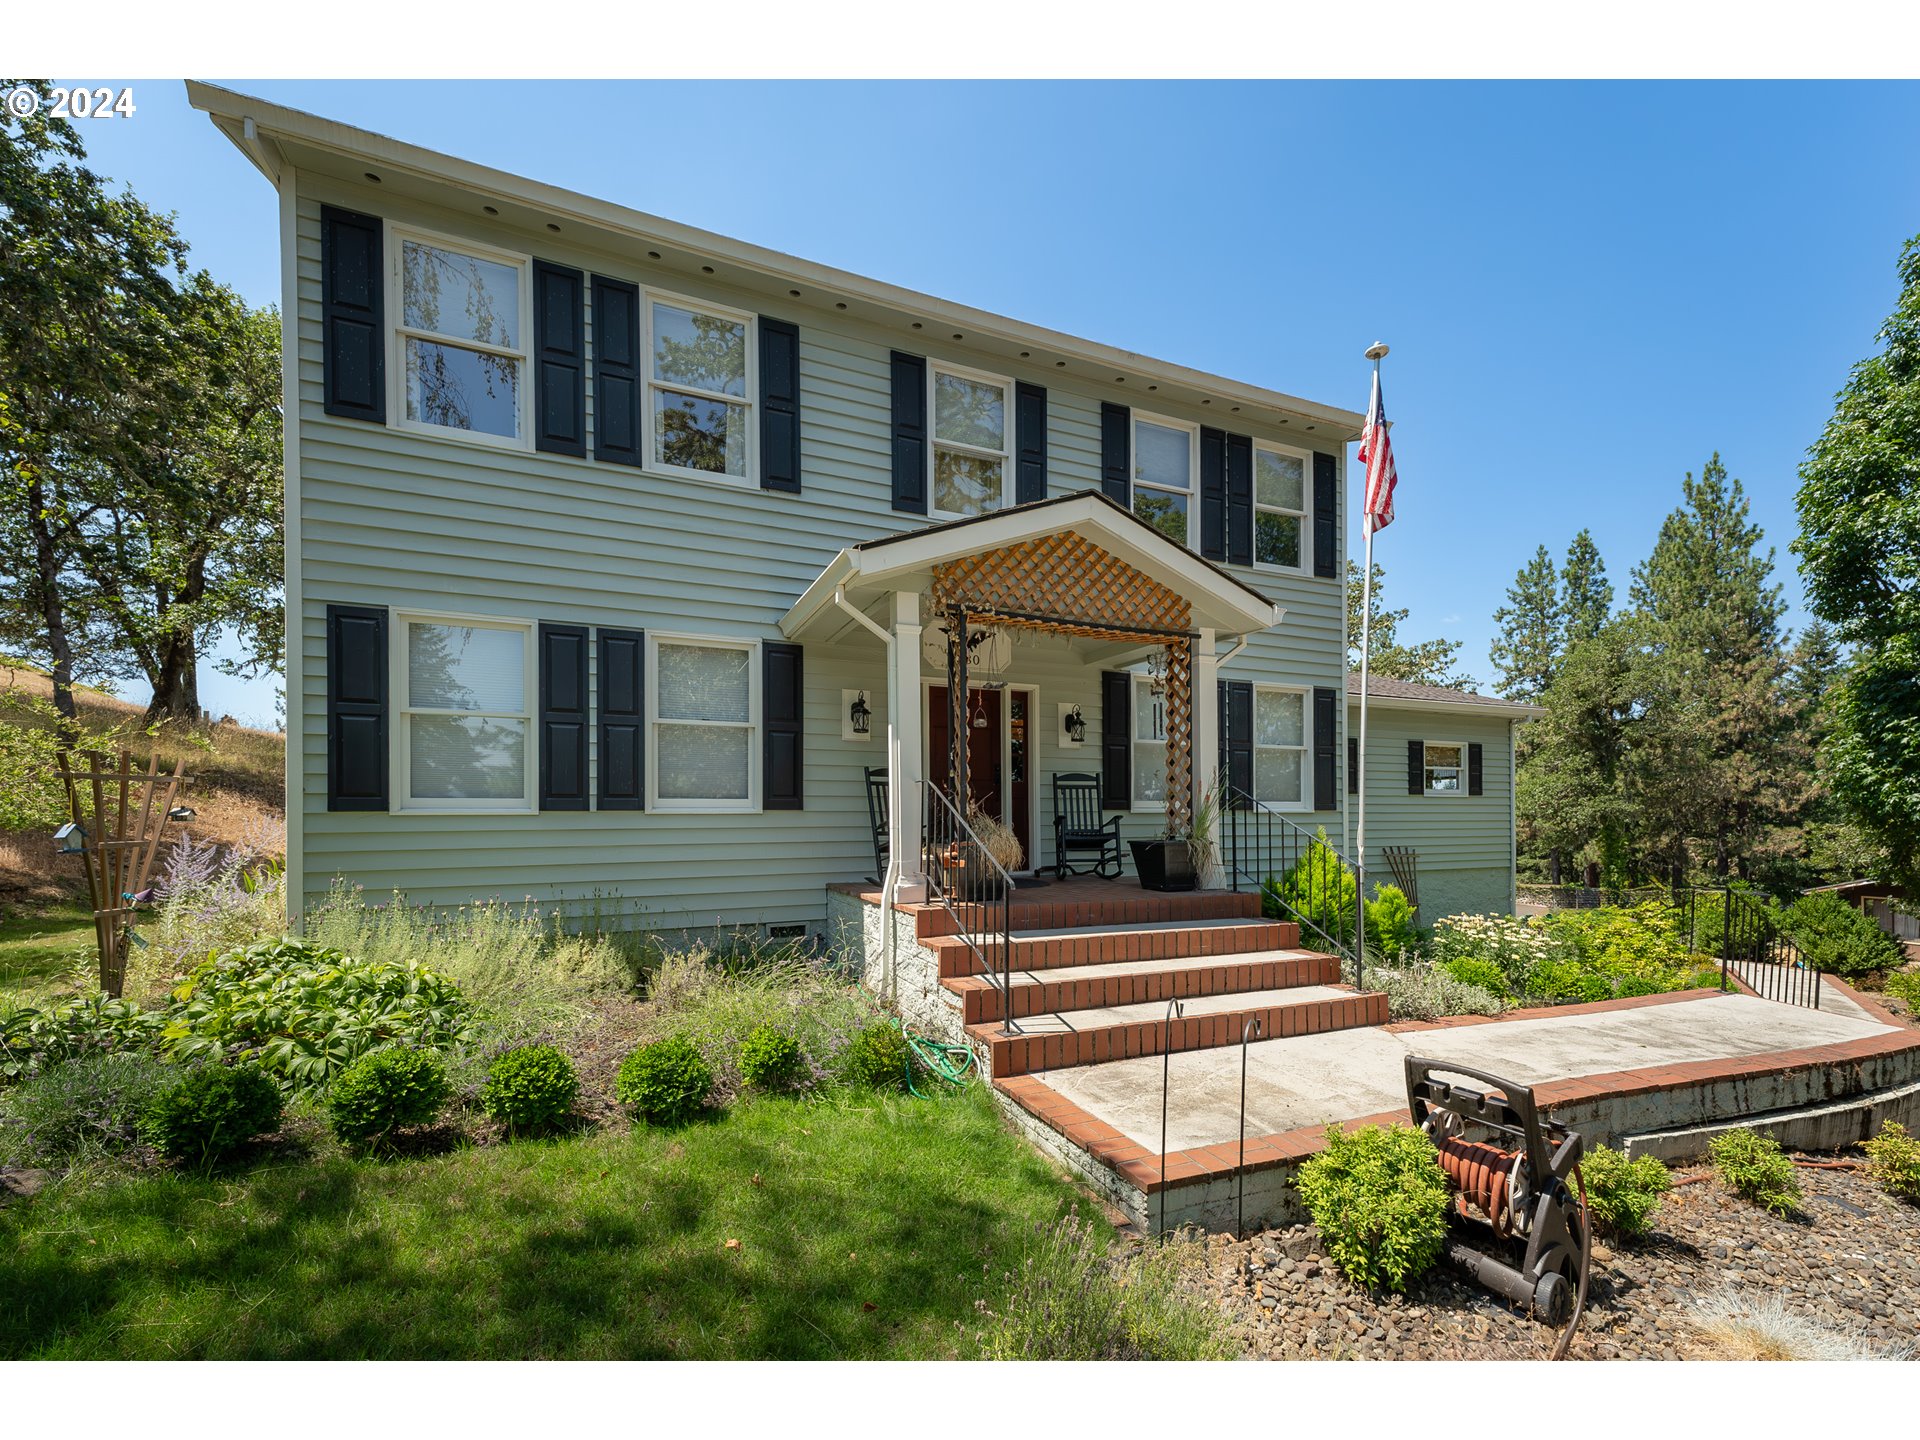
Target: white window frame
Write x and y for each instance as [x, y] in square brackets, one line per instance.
[750, 402]
[1141, 690]
[935, 444]
[754, 723]
[398, 333]
[1135, 484]
[1303, 514]
[400, 752]
[1425, 766]
[1305, 747]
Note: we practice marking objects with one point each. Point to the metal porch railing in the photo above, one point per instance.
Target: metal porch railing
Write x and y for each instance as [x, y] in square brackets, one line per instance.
[1300, 875]
[1749, 945]
[974, 888]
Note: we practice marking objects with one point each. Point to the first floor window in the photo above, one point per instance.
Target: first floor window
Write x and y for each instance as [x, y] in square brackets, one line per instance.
[465, 731]
[704, 697]
[1279, 507]
[1279, 745]
[1163, 470]
[1149, 745]
[462, 338]
[698, 388]
[1446, 769]
[971, 446]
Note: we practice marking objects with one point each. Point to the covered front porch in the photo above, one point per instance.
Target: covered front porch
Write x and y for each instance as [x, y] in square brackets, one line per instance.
[1060, 638]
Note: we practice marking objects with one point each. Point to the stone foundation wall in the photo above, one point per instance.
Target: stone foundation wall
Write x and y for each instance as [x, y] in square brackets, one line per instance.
[857, 939]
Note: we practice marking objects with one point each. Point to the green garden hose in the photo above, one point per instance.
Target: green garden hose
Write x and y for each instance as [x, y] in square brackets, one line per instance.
[950, 1063]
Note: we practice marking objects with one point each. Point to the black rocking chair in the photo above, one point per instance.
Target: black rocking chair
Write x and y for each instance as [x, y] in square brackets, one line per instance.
[1080, 824]
[877, 813]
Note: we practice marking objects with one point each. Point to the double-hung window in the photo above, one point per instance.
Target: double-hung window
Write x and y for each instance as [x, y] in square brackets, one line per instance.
[700, 380]
[1149, 746]
[972, 441]
[464, 740]
[1279, 508]
[1446, 769]
[1165, 460]
[1280, 746]
[462, 339]
[703, 698]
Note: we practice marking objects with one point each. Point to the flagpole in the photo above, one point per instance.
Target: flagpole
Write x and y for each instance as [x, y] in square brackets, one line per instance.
[1375, 352]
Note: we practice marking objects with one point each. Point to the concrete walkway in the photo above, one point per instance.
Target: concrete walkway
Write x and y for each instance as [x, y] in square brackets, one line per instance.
[1313, 1079]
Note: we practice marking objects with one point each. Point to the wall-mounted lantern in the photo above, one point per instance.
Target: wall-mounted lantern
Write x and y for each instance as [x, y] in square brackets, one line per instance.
[1074, 724]
[860, 715]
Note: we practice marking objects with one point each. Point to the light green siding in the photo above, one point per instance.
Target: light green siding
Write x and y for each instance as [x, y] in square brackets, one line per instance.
[432, 522]
[1465, 842]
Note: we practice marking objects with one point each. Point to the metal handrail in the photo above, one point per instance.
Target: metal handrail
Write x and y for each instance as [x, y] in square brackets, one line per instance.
[1263, 845]
[1752, 949]
[947, 843]
[1175, 1007]
[1253, 1026]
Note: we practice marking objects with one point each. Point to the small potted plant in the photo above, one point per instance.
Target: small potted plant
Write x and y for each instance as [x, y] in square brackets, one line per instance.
[1181, 861]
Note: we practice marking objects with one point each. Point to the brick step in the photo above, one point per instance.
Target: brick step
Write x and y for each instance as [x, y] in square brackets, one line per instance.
[1036, 912]
[1130, 982]
[1150, 940]
[1091, 1037]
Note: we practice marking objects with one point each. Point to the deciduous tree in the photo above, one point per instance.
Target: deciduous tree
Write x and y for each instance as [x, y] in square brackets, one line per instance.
[1424, 662]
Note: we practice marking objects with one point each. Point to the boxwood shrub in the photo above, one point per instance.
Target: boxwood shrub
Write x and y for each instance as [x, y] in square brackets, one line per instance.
[1380, 1199]
[212, 1111]
[878, 1056]
[1622, 1194]
[666, 1081]
[384, 1091]
[771, 1059]
[530, 1088]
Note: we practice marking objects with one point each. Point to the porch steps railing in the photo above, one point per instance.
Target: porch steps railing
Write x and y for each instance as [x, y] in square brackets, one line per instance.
[1261, 849]
[1751, 947]
[973, 888]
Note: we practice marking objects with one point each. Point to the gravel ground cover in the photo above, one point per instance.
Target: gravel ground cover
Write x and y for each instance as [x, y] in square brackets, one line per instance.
[1848, 1265]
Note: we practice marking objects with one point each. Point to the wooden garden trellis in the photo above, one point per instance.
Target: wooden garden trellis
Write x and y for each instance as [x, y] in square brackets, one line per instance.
[120, 838]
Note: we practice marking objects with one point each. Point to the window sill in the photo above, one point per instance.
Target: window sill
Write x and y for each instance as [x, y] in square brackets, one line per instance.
[464, 810]
[499, 443]
[696, 807]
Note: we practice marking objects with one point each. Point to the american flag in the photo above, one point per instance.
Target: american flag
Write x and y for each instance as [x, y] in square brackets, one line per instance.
[1376, 453]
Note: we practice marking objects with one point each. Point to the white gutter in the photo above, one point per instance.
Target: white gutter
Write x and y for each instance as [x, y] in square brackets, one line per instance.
[890, 881]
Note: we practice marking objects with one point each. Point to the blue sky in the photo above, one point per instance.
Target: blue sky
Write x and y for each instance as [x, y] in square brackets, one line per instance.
[1588, 288]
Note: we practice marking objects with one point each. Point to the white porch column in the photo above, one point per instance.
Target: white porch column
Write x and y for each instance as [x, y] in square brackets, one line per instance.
[906, 725]
[1206, 730]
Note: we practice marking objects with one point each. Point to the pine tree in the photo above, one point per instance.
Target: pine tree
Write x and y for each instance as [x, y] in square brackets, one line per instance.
[1571, 794]
[1527, 653]
[1586, 595]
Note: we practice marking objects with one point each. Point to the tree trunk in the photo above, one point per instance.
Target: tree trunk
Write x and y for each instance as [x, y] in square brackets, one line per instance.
[52, 612]
[1553, 866]
[176, 677]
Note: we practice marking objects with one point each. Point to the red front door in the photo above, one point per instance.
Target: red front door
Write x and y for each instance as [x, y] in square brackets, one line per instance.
[983, 747]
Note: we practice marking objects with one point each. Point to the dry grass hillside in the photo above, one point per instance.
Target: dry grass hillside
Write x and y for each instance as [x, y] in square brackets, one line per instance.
[237, 786]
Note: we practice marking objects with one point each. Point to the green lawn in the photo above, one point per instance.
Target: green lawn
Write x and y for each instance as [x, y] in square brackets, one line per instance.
[38, 946]
[864, 1226]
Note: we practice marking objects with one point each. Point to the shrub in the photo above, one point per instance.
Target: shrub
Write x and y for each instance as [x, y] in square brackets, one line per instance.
[1563, 981]
[1318, 891]
[1893, 1158]
[1515, 946]
[1390, 927]
[81, 1109]
[530, 1088]
[1484, 974]
[1755, 1168]
[1073, 1300]
[384, 1091]
[1380, 1199]
[1838, 938]
[1425, 991]
[1642, 941]
[212, 1111]
[1622, 1194]
[878, 1056]
[1905, 985]
[305, 1012]
[666, 1081]
[771, 1059]
[34, 1039]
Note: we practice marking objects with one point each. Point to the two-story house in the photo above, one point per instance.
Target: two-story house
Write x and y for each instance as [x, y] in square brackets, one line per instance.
[624, 563]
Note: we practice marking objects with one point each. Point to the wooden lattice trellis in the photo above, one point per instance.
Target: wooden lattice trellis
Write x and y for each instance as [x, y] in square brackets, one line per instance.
[1065, 584]
[121, 835]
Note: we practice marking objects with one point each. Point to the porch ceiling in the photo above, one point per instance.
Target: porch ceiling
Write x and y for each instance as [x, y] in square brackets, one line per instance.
[867, 572]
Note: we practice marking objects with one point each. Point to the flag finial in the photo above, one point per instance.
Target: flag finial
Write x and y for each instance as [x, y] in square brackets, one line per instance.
[1377, 350]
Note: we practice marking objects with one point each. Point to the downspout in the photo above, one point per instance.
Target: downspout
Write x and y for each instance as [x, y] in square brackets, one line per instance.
[889, 882]
[1513, 817]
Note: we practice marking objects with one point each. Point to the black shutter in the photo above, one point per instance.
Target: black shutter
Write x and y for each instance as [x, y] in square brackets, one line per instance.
[1353, 765]
[563, 717]
[1326, 501]
[1416, 767]
[1239, 500]
[356, 708]
[616, 371]
[352, 316]
[909, 433]
[1476, 765]
[1325, 717]
[623, 747]
[1116, 739]
[1213, 493]
[783, 713]
[779, 406]
[1116, 459]
[1030, 442]
[559, 361]
[1236, 724]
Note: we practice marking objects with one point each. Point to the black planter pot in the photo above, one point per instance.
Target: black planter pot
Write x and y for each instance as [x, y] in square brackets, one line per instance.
[1164, 865]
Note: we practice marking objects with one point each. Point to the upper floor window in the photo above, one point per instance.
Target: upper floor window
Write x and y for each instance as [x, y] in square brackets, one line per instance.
[1279, 507]
[699, 381]
[972, 444]
[1446, 771]
[1149, 745]
[463, 741]
[1280, 746]
[463, 327]
[1165, 460]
